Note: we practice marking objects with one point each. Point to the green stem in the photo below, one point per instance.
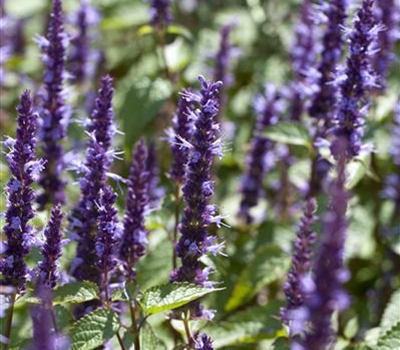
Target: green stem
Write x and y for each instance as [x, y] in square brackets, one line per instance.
[120, 341]
[7, 333]
[134, 327]
[187, 329]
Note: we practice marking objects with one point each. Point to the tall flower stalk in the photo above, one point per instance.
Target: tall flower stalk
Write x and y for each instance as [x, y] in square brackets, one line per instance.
[84, 218]
[54, 111]
[51, 251]
[24, 169]
[195, 240]
[259, 160]
[134, 238]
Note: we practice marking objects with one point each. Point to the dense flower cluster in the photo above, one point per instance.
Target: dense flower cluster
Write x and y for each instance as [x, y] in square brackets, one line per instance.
[182, 130]
[98, 160]
[82, 58]
[54, 111]
[301, 261]
[160, 12]
[24, 169]
[134, 237]
[51, 250]
[357, 79]
[258, 161]
[198, 214]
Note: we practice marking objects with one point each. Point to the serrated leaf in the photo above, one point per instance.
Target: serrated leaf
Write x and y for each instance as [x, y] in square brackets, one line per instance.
[119, 295]
[76, 293]
[249, 326]
[391, 315]
[290, 133]
[94, 329]
[148, 339]
[391, 339]
[269, 264]
[171, 296]
[142, 102]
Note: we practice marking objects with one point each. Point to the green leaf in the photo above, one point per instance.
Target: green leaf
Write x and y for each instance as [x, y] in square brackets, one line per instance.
[76, 293]
[148, 339]
[291, 133]
[249, 326]
[391, 315]
[171, 296]
[269, 264]
[391, 339]
[94, 329]
[142, 102]
[119, 295]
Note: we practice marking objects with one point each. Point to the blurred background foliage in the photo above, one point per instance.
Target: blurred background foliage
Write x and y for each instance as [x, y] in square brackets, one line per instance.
[258, 256]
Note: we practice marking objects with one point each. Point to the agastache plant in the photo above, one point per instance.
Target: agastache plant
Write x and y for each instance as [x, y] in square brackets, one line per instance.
[325, 293]
[160, 12]
[134, 237]
[259, 160]
[98, 161]
[24, 169]
[388, 13]
[51, 250]
[106, 238]
[82, 58]
[199, 213]
[301, 262]
[358, 78]
[54, 111]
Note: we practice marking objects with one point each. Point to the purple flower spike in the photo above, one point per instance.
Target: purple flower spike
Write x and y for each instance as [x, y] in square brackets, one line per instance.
[203, 342]
[160, 12]
[24, 169]
[134, 240]
[98, 161]
[51, 251]
[182, 130]
[198, 214]
[325, 294]
[357, 80]
[82, 59]
[106, 239]
[155, 191]
[301, 261]
[332, 48]
[222, 61]
[388, 13]
[259, 160]
[54, 112]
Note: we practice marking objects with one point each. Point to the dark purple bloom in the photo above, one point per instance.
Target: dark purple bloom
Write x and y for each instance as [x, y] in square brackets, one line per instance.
[160, 12]
[325, 294]
[182, 130]
[388, 13]
[203, 342]
[134, 239]
[222, 58]
[82, 59]
[357, 79]
[24, 169]
[259, 161]
[98, 161]
[332, 48]
[106, 238]
[198, 214]
[51, 251]
[155, 191]
[301, 261]
[54, 112]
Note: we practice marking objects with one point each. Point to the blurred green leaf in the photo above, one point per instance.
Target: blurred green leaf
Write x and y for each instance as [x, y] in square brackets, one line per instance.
[148, 339]
[141, 104]
[76, 293]
[391, 315]
[290, 133]
[249, 326]
[94, 329]
[170, 296]
[269, 264]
